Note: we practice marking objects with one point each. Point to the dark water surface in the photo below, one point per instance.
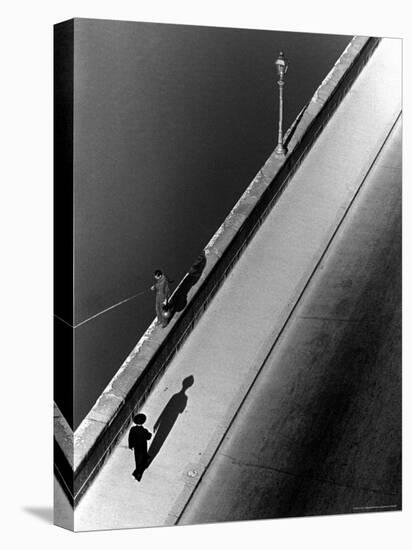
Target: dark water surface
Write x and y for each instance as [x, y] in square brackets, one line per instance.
[171, 124]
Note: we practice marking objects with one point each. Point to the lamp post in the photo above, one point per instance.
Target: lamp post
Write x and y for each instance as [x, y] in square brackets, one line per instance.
[282, 67]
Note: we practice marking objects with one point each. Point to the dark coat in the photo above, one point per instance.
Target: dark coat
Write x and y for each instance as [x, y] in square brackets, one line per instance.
[138, 437]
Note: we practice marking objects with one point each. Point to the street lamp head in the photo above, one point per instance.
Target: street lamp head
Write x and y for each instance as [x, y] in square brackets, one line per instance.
[281, 65]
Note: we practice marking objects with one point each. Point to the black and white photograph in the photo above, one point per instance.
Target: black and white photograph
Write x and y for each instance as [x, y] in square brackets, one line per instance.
[209, 252]
[243, 186]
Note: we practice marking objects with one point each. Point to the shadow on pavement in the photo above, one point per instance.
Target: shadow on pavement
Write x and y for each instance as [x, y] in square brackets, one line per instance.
[179, 300]
[168, 417]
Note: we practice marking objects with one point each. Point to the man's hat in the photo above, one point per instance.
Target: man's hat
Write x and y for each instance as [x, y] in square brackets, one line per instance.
[139, 418]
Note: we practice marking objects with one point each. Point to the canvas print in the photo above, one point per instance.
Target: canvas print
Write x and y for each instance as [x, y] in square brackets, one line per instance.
[227, 255]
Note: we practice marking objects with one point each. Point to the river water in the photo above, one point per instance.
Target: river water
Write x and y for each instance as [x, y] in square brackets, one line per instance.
[171, 124]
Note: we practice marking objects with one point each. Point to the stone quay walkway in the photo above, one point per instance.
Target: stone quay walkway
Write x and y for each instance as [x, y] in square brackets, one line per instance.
[320, 431]
[225, 352]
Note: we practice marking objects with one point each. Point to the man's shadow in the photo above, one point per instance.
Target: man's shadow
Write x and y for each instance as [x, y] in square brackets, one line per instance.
[168, 417]
[179, 299]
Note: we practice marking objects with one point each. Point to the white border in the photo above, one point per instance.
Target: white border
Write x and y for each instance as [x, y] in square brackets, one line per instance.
[26, 229]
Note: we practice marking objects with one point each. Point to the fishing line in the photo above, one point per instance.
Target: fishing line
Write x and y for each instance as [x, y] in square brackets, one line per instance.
[105, 310]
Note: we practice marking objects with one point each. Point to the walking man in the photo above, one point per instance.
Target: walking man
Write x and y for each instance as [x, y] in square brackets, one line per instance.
[138, 437]
[162, 289]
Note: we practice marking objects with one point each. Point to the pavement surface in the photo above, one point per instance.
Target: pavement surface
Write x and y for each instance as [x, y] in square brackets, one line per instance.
[223, 357]
[320, 431]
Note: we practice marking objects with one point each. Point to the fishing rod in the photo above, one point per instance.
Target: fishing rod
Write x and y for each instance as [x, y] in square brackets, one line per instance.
[108, 308]
[105, 310]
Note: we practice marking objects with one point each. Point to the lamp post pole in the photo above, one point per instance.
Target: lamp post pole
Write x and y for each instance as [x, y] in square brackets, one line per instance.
[282, 68]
